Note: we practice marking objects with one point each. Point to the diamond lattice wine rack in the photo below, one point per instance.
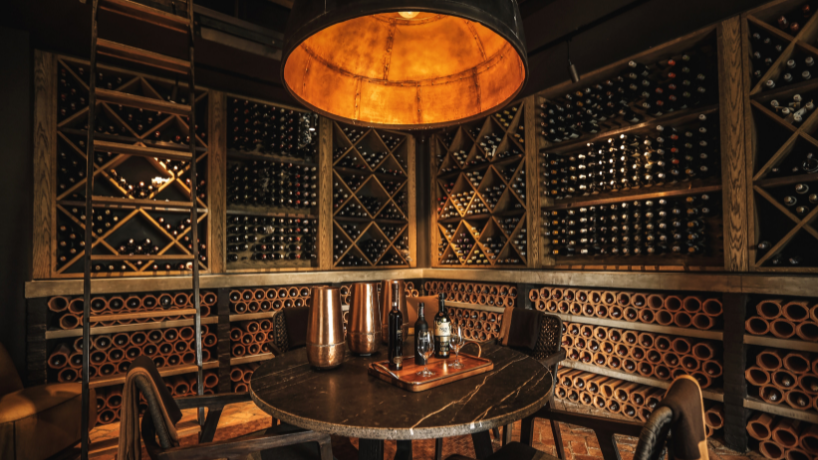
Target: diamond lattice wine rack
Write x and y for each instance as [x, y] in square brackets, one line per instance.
[373, 193]
[480, 192]
[782, 143]
[151, 239]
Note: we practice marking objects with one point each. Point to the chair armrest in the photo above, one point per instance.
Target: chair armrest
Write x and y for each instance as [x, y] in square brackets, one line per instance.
[554, 359]
[241, 447]
[212, 401]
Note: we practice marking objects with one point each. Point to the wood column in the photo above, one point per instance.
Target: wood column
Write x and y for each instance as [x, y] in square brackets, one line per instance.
[45, 176]
[534, 256]
[735, 362]
[325, 181]
[217, 176]
[733, 151]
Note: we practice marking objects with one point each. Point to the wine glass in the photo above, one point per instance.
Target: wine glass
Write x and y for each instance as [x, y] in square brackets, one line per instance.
[425, 347]
[457, 341]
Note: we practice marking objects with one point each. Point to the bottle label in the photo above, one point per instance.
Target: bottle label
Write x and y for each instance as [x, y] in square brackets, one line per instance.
[443, 330]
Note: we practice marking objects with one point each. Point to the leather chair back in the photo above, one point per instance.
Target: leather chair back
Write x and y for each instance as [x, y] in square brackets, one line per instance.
[9, 378]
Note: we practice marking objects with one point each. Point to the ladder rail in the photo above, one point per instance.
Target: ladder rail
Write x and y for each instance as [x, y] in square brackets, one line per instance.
[86, 280]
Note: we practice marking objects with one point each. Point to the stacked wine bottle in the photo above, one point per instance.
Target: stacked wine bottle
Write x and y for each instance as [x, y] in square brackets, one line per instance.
[641, 91]
[642, 227]
[665, 155]
[272, 184]
[268, 129]
[271, 239]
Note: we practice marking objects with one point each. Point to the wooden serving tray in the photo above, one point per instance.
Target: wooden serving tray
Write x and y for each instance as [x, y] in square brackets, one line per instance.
[408, 379]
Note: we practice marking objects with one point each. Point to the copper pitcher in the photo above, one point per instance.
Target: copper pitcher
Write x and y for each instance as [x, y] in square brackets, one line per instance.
[325, 329]
[364, 329]
[386, 306]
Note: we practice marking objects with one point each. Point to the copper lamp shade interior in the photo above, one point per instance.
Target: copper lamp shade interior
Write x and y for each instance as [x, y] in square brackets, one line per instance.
[383, 69]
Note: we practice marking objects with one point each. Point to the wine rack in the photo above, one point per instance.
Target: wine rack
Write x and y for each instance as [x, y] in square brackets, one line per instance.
[781, 437]
[492, 295]
[480, 193]
[782, 168]
[272, 187]
[144, 226]
[373, 198]
[648, 134]
[619, 398]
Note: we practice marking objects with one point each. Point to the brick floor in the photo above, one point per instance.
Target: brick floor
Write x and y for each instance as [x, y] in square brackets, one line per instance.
[579, 443]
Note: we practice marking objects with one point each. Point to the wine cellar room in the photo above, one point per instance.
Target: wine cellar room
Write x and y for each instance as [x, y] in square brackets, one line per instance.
[192, 184]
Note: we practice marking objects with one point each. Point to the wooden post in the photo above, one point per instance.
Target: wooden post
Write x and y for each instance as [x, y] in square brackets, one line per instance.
[217, 175]
[532, 193]
[735, 385]
[733, 152]
[45, 172]
[36, 352]
[412, 189]
[223, 340]
[325, 194]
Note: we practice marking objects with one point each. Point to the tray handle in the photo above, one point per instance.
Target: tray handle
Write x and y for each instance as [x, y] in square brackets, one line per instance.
[479, 348]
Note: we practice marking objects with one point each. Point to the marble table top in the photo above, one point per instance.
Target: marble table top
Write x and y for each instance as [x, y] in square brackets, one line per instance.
[347, 401]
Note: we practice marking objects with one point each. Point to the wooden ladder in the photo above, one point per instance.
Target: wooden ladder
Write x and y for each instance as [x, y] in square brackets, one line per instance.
[101, 47]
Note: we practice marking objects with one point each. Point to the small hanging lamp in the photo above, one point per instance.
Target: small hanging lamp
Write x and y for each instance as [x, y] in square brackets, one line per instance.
[404, 64]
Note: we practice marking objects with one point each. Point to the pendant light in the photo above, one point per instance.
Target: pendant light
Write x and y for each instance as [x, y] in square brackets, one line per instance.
[404, 64]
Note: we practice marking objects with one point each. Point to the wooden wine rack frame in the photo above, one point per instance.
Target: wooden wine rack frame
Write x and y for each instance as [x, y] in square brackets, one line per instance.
[757, 117]
[372, 224]
[461, 137]
[52, 206]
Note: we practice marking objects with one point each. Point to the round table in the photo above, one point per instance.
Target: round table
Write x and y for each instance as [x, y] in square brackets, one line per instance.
[347, 401]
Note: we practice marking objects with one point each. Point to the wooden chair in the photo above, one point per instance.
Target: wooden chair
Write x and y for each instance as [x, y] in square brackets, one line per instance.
[653, 435]
[279, 442]
[284, 339]
[548, 351]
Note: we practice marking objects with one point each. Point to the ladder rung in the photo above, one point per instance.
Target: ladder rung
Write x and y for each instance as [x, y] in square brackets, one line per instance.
[142, 203]
[142, 102]
[130, 149]
[113, 257]
[141, 56]
[147, 14]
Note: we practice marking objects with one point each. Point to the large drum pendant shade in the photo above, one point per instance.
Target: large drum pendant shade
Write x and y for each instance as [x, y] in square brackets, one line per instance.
[377, 63]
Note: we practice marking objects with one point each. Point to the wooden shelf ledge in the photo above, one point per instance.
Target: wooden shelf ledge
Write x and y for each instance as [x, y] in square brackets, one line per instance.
[251, 359]
[784, 344]
[754, 403]
[147, 14]
[102, 330]
[142, 56]
[141, 102]
[712, 394]
[639, 326]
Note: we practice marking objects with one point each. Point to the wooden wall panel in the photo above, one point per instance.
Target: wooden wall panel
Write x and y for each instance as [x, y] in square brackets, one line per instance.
[325, 193]
[44, 143]
[217, 174]
[733, 153]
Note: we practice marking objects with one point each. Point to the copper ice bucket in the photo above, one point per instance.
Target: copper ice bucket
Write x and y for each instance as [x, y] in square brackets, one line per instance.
[364, 329]
[325, 329]
[386, 306]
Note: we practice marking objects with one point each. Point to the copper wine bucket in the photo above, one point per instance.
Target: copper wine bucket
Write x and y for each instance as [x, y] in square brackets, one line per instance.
[325, 329]
[386, 306]
[364, 329]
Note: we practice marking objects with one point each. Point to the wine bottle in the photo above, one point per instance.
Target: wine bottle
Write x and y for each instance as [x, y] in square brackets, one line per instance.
[420, 327]
[395, 334]
[443, 330]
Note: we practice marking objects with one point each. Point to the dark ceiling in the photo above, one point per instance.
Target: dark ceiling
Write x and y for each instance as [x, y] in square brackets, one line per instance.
[601, 32]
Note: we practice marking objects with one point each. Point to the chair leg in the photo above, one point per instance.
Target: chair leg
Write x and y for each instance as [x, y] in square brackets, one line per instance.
[404, 450]
[607, 444]
[209, 428]
[527, 431]
[370, 449]
[482, 444]
[507, 433]
[555, 430]
[495, 432]
[439, 449]
[325, 447]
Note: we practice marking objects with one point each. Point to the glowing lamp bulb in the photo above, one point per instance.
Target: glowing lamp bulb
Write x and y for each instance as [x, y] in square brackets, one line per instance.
[408, 14]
